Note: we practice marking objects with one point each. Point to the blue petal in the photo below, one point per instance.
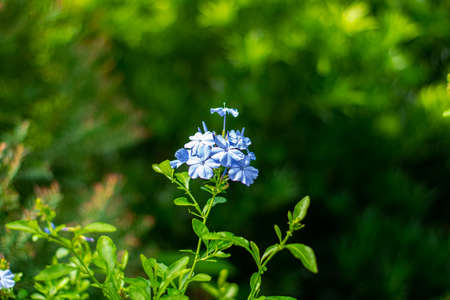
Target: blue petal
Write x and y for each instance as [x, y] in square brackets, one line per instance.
[193, 171]
[251, 155]
[174, 164]
[235, 174]
[182, 155]
[236, 155]
[204, 127]
[221, 142]
[234, 112]
[218, 110]
[211, 163]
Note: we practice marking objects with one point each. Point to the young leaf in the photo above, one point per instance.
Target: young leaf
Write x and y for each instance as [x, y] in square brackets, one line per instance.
[98, 227]
[201, 277]
[147, 267]
[289, 214]
[139, 288]
[54, 271]
[255, 281]
[219, 200]
[230, 237]
[182, 201]
[301, 209]
[124, 262]
[270, 250]
[305, 254]
[164, 168]
[200, 229]
[208, 188]
[278, 232]
[183, 178]
[138, 293]
[255, 251]
[24, 225]
[211, 290]
[107, 251]
[177, 267]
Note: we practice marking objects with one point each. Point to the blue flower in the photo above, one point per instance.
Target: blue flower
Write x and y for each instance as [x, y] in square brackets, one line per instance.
[238, 140]
[222, 111]
[224, 153]
[182, 156]
[199, 142]
[47, 230]
[243, 172]
[202, 166]
[6, 279]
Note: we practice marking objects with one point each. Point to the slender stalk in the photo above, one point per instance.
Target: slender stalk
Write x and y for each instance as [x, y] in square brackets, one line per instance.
[289, 233]
[224, 123]
[186, 190]
[199, 244]
[70, 248]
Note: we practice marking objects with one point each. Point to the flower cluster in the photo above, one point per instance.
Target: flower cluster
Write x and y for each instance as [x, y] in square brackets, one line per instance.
[207, 151]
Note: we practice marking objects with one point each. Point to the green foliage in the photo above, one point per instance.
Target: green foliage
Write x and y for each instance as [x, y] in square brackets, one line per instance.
[75, 267]
[347, 99]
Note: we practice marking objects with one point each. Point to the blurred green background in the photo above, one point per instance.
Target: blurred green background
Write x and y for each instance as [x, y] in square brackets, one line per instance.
[343, 101]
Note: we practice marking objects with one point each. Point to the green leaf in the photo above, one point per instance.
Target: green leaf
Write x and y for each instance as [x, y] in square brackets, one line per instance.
[139, 288]
[208, 188]
[138, 293]
[201, 277]
[270, 250]
[124, 262]
[147, 266]
[183, 178]
[54, 271]
[107, 251]
[164, 168]
[305, 254]
[255, 281]
[183, 201]
[177, 267]
[211, 290]
[24, 225]
[219, 200]
[279, 298]
[289, 215]
[200, 229]
[228, 236]
[278, 232]
[301, 209]
[98, 227]
[255, 251]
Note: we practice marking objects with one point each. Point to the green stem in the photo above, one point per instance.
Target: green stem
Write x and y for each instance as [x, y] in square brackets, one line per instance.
[199, 244]
[186, 190]
[253, 292]
[70, 247]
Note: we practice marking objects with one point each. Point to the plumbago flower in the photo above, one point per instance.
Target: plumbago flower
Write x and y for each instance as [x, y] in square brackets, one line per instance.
[243, 172]
[6, 279]
[207, 151]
